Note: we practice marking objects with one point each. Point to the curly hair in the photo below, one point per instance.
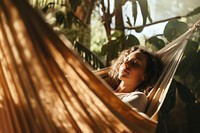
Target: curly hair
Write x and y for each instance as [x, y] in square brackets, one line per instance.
[153, 68]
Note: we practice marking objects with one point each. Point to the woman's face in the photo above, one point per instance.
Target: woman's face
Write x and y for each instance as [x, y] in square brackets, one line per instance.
[132, 70]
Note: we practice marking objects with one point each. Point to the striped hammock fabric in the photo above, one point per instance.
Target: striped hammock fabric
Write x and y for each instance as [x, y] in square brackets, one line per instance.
[46, 88]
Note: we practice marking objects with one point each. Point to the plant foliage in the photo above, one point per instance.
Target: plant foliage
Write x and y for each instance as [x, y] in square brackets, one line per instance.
[118, 39]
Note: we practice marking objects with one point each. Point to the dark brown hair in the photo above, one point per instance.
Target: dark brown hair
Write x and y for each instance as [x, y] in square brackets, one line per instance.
[152, 72]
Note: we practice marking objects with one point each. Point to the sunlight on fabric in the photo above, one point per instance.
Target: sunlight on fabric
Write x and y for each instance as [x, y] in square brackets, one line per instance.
[95, 108]
[22, 37]
[1, 97]
[21, 33]
[77, 87]
[75, 91]
[10, 39]
[7, 75]
[37, 96]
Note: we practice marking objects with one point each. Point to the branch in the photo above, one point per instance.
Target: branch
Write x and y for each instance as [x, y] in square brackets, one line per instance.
[130, 28]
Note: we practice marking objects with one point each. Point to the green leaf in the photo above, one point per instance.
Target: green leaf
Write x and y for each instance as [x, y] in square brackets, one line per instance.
[155, 43]
[144, 10]
[116, 34]
[174, 29]
[140, 29]
[196, 67]
[130, 41]
[194, 12]
[191, 46]
[60, 17]
[128, 21]
[185, 67]
[134, 9]
[111, 49]
[190, 58]
[149, 17]
[185, 94]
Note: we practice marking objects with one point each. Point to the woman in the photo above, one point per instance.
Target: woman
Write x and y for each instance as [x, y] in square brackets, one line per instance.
[136, 71]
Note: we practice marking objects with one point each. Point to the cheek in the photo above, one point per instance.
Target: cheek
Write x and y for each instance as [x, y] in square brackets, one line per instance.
[140, 74]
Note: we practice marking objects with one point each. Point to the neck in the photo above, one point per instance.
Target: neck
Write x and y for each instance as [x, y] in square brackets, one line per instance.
[126, 88]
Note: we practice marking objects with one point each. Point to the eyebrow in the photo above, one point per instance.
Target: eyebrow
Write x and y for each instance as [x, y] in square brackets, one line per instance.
[141, 57]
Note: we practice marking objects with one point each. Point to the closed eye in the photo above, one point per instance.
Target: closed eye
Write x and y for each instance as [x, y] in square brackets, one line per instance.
[134, 62]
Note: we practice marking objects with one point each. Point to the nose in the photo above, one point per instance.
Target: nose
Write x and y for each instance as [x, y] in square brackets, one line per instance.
[126, 64]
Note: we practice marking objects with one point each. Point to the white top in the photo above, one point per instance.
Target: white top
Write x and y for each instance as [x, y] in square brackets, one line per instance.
[136, 100]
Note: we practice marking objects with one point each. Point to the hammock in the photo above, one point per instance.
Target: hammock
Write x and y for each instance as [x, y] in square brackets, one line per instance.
[45, 88]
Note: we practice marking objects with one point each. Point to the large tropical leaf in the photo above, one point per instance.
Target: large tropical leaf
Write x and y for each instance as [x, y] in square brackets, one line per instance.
[174, 29]
[185, 93]
[188, 61]
[131, 40]
[155, 43]
[111, 49]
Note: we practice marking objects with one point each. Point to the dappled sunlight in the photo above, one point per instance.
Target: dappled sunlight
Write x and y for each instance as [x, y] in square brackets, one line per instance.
[1, 97]
[46, 88]
[79, 101]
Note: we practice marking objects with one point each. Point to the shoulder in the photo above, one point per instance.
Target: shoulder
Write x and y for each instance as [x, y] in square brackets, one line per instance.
[136, 95]
[136, 100]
